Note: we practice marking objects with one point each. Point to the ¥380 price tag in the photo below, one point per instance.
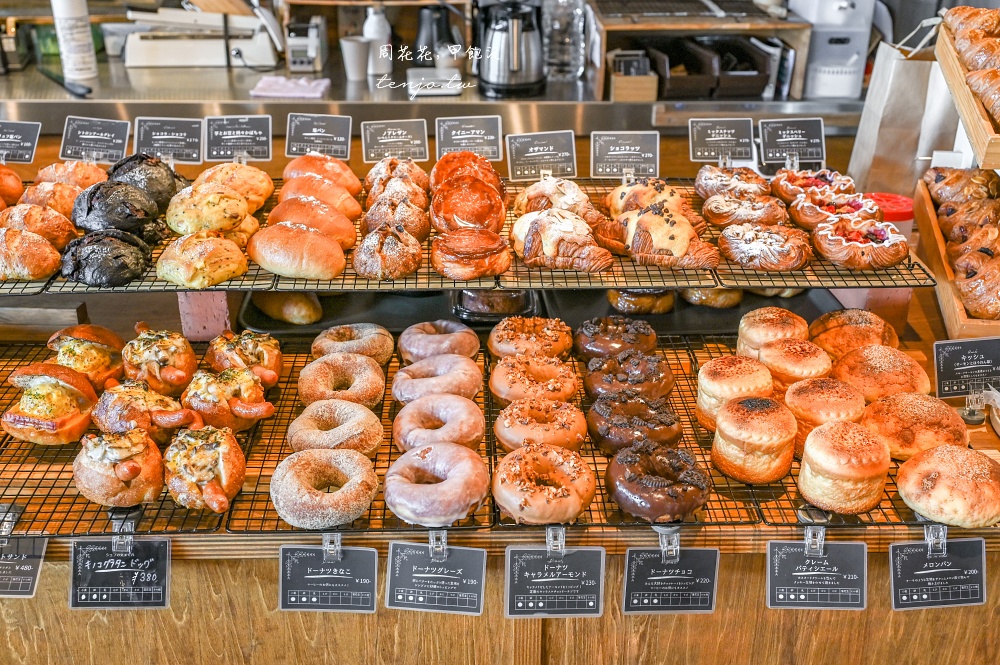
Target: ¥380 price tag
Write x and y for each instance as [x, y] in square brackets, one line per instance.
[836, 580]
[919, 581]
[102, 578]
[310, 581]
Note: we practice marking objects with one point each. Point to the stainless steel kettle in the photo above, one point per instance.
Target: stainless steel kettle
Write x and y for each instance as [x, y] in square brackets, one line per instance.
[512, 61]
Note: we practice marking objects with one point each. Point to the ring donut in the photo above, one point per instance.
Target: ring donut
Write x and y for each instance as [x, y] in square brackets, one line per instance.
[540, 484]
[298, 488]
[657, 483]
[336, 424]
[534, 335]
[435, 418]
[449, 374]
[348, 376]
[436, 485]
[366, 339]
[522, 377]
[435, 338]
[540, 421]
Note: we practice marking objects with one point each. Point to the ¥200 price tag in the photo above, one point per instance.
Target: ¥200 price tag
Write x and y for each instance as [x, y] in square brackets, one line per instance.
[20, 566]
[919, 581]
[653, 587]
[307, 582]
[538, 585]
[229, 136]
[837, 580]
[104, 579]
[481, 134]
[530, 154]
[614, 153]
[403, 139]
[416, 582]
[18, 141]
[325, 134]
[94, 139]
[179, 138]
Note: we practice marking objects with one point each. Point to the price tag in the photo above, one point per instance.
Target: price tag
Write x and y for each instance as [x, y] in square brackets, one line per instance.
[453, 586]
[959, 361]
[958, 578]
[612, 153]
[838, 580]
[20, 566]
[481, 134]
[325, 134]
[538, 584]
[18, 141]
[227, 136]
[176, 137]
[712, 138]
[306, 582]
[394, 138]
[94, 139]
[653, 587]
[802, 136]
[530, 154]
[101, 578]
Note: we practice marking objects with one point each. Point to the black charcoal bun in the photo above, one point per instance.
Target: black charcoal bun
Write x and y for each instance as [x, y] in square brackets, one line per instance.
[113, 205]
[147, 173]
[106, 258]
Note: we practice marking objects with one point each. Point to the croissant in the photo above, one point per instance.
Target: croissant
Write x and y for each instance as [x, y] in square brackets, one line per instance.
[986, 84]
[980, 292]
[644, 192]
[977, 50]
[766, 248]
[560, 194]
[960, 185]
[722, 210]
[973, 18]
[860, 244]
[958, 220]
[971, 263]
[984, 237]
[558, 240]
[739, 181]
[819, 205]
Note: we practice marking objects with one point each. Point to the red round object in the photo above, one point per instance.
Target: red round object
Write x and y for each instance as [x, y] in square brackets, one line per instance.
[895, 207]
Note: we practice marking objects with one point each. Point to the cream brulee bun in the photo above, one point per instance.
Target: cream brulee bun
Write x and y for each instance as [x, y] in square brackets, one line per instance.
[729, 377]
[878, 371]
[541, 484]
[844, 468]
[767, 324]
[913, 422]
[754, 440]
[814, 402]
[299, 488]
[791, 360]
[844, 330]
[436, 485]
[952, 485]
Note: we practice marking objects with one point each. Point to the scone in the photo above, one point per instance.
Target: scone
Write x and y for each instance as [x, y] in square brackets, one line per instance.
[207, 207]
[844, 468]
[200, 260]
[878, 371]
[754, 440]
[791, 360]
[766, 325]
[814, 402]
[910, 423]
[844, 330]
[952, 485]
[728, 377]
[249, 181]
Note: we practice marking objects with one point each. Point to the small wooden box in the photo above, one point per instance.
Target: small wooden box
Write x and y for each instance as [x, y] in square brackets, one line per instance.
[634, 88]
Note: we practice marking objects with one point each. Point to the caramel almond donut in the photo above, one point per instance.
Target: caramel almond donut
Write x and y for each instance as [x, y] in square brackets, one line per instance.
[435, 338]
[204, 468]
[436, 485]
[540, 484]
[618, 420]
[435, 418]
[299, 483]
[119, 470]
[723, 210]
[521, 377]
[787, 184]
[610, 335]
[518, 335]
[348, 376]
[336, 424]
[540, 421]
[860, 244]
[648, 375]
[766, 248]
[657, 483]
[448, 374]
[366, 339]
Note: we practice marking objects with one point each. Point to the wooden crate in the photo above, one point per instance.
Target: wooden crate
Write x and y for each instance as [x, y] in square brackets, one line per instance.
[979, 127]
[932, 251]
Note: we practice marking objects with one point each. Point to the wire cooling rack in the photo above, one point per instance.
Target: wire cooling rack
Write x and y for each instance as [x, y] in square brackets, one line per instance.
[20, 287]
[252, 510]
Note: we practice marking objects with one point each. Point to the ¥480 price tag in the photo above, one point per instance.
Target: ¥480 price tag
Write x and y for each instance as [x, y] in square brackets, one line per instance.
[308, 582]
[104, 579]
[20, 566]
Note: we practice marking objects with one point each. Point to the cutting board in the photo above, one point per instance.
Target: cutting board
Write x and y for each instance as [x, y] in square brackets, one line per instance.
[237, 7]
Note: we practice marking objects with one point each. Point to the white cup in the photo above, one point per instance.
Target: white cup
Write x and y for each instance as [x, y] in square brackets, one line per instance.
[355, 51]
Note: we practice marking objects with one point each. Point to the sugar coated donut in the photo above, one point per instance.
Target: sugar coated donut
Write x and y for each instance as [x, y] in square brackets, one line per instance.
[347, 376]
[366, 339]
[436, 418]
[521, 377]
[435, 338]
[336, 424]
[449, 374]
[298, 488]
[540, 484]
[436, 485]
[536, 420]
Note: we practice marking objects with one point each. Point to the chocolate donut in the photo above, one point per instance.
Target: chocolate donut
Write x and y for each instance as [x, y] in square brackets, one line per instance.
[610, 335]
[656, 483]
[617, 420]
[647, 375]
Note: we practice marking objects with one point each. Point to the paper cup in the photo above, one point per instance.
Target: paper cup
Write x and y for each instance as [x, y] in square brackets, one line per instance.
[355, 51]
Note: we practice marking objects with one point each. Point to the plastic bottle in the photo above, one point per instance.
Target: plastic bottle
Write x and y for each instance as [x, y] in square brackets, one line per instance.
[377, 29]
[76, 43]
[563, 27]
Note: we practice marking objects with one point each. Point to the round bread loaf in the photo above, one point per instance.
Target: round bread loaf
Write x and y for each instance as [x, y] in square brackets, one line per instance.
[879, 370]
[952, 485]
[844, 330]
[910, 423]
[844, 468]
[297, 251]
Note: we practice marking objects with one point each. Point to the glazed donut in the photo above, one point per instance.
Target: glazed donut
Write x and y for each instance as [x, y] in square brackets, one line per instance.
[540, 484]
[336, 424]
[436, 418]
[642, 301]
[545, 421]
[618, 420]
[348, 376]
[366, 339]
[657, 483]
[648, 375]
[436, 485]
[518, 335]
[449, 374]
[860, 244]
[435, 338]
[610, 335]
[298, 488]
[521, 377]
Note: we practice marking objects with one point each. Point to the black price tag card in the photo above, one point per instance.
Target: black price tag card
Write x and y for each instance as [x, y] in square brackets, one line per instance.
[228, 136]
[104, 580]
[18, 141]
[481, 134]
[959, 361]
[179, 138]
[454, 586]
[802, 136]
[20, 566]
[712, 138]
[919, 581]
[538, 585]
[325, 134]
[94, 139]
[838, 580]
[612, 153]
[653, 587]
[404, 139]
[306, 582]
[530, 154]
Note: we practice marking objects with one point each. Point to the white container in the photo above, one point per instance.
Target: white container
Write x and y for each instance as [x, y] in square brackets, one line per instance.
[355, 51]
[76, 43]
[377, 29]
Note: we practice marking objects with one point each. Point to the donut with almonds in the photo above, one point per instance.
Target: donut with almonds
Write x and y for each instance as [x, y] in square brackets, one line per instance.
[766, 324]
[336, 424]
[348, 376]
[766, 248]
[740, 182]
[436, 485]
[610, 335]
[789, 184]
[469, 253]
[366, 339]
[878, 371]
[618, 420]
[299, 483]
[657, 483]
[844, 468]
[522, 377]
[447, 374]
[534, 335]
[754, 440]
[843, 330]
[541, 484]
[910, 423]
[119, 470]
[547, 421]
[819, 206]
[725, 378]
[723, 210]
[952, 485]
[435, 418]
[434, 338]
[648, 375]
[814, 402]
[860, 244]
[204, 468]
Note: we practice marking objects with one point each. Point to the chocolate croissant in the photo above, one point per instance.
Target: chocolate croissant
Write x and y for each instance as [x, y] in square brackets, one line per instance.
[958, 220]
[960, 185]
[980, 292]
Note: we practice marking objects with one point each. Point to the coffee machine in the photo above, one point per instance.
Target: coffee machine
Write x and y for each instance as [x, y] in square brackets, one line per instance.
[508, 35]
